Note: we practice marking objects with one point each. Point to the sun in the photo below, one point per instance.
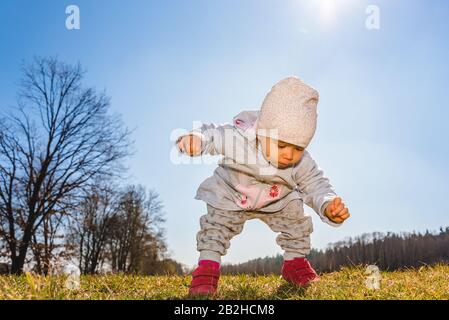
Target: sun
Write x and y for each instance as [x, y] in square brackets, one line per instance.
[327, 9]
[325, 15]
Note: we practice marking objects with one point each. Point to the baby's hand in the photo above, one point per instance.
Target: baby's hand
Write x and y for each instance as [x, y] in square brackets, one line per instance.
[190, 144]
[336, 211]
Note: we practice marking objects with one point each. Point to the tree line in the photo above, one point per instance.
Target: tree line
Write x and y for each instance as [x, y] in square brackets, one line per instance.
[390, 251]
[61, 164]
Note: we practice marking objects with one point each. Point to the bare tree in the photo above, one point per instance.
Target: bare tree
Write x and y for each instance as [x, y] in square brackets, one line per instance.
[120, 229]
[57, 140]
[136, 235]
[48, 243]
[90, 229]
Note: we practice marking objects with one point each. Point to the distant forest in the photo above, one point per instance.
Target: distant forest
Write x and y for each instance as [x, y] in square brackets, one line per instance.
[389, 251]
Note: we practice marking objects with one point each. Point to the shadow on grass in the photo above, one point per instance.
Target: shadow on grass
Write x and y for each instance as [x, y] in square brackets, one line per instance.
[287, 290]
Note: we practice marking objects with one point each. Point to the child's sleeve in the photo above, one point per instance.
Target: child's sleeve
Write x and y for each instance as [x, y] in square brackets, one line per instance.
[212, 137]
[315, 188]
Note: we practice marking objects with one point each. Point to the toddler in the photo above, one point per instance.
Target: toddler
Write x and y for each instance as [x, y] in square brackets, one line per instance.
[265, 173]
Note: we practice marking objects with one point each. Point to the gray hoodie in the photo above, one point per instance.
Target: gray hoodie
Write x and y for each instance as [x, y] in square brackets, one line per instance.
[245, 180]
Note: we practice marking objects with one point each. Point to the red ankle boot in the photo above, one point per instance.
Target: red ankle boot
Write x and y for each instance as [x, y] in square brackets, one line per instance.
[205, 278]
[299, 271]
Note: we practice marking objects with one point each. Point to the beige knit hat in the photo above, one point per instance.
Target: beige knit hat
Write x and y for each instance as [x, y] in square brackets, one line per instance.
[291, 108]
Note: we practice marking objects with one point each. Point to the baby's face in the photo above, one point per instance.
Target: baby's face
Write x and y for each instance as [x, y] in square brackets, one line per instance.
[281, 154]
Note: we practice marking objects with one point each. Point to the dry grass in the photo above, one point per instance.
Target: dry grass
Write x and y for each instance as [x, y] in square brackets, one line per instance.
[425, 283]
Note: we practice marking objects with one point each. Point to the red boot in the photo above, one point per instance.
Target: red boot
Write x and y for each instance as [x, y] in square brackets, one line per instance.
[205, 278]
[299, 271]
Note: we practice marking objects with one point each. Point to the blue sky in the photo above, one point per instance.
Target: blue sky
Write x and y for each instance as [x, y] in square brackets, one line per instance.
[382, 136]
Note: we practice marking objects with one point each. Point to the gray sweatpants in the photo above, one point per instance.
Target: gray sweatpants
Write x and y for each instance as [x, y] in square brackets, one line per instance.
[218, 227]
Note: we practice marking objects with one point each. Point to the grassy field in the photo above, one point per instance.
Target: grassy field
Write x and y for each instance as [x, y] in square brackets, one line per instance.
[425, 283]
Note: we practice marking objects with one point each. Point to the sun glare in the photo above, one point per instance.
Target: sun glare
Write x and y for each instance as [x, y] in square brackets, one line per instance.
[327, 9]
[326, 13]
